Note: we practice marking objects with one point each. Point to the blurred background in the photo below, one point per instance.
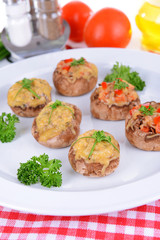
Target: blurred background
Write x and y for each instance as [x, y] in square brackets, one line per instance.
[34, 27]
[130, 8]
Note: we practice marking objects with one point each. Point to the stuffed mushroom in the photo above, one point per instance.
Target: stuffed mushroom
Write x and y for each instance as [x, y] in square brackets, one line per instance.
[94, 154]
[113, 100]
[57, 125]
[75, 77]
[142, 126]
[28, 97]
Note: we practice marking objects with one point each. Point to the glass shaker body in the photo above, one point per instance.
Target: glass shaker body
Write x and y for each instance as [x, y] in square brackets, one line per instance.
[18, 23]
[148, 21]
[49, 19]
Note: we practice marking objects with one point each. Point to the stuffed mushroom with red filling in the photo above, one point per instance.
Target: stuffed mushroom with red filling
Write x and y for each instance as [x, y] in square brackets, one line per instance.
[113, 100]
[75, 77]
[142, 126]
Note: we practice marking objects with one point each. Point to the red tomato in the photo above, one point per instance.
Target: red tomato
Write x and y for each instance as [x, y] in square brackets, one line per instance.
[156, 120]
[76, 13]
[108, 27]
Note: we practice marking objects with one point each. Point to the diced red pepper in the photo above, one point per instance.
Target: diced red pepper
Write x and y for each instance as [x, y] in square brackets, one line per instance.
[158, 110]
[118, 91]
[158, 128]
[156, 120]
[68, 60]
[104, 85]
[131, 111]
[145, 129]
[120, 98]
[66, 68]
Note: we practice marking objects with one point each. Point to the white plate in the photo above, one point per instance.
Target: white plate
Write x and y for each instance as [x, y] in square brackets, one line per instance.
[136, 180]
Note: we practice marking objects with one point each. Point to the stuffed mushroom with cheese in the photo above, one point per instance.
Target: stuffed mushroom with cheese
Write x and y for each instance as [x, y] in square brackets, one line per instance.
[75, 77]
[57, 125]
[113, 100]
[142, 126]
[28, 97]
[94, 154]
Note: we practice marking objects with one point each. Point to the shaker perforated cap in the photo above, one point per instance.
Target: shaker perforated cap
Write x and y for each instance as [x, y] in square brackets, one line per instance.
[154, 2]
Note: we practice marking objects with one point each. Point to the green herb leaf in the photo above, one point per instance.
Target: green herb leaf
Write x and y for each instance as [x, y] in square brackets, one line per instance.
[41, 169]
[7, 127]
[3, 51]
[78, 62]
[120, 84]
[29, 172]
[148, 111]
[27, 83]
[99, 136]
[124, 72]
[56, 104]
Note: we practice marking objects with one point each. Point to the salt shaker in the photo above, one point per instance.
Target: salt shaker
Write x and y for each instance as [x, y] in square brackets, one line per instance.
[18, 22]
[49, 19]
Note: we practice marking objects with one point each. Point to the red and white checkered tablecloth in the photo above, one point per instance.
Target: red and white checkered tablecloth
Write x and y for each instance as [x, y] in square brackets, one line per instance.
[135, 224]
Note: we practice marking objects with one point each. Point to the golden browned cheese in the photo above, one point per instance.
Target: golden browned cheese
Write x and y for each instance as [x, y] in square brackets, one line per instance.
[103, 153]
[85, 71]
[61, 119]
[26, 98]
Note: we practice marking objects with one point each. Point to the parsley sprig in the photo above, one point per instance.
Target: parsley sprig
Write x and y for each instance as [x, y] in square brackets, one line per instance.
[124, 72]
[27, 83]
[80, 61]
[40, 169]
[99, 136]
[56, 104]
[119, 84]
[7, 127]
[147, 110]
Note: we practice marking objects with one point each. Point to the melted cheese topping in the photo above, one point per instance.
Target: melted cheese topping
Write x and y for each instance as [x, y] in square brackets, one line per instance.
[85, 71]
[103, 153]
[25, 98]
[61, 119]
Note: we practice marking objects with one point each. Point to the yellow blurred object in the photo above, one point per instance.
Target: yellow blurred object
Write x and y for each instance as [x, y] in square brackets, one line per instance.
[148, 21]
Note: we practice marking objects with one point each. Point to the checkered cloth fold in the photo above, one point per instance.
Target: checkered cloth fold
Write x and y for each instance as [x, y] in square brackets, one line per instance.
[135, 224]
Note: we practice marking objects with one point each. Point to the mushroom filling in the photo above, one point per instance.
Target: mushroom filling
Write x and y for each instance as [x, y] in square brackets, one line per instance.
[118, 92]
[145, 117]
[74, 69]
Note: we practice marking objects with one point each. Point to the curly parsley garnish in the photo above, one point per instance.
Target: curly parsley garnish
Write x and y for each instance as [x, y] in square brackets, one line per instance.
[119, 84]
[147, 110]
[99, 136]
[56, 104]
[7, 127]
[80, 61]
[27, 83]
[40, 169]
[124, 72]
